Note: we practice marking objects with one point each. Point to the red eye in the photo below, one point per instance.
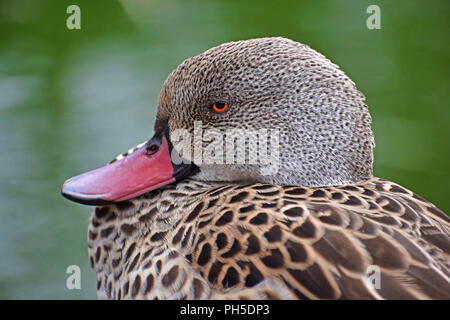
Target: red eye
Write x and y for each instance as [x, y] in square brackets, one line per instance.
[220, 106]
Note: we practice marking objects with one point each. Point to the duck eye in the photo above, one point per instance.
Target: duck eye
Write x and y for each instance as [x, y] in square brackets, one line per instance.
[220, 106]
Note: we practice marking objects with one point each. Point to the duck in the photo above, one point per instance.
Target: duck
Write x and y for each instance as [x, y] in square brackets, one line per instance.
[202, 211]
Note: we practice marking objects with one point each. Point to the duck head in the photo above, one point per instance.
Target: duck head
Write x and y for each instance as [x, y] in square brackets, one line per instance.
[265, 110]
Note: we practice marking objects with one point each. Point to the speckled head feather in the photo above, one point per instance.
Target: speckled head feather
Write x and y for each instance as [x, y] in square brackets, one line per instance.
[276, 83]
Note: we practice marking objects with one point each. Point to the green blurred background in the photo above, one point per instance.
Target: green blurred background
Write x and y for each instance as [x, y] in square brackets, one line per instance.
[71, 100]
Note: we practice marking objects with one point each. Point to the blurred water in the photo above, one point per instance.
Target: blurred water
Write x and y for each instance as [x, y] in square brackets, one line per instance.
[72, 100]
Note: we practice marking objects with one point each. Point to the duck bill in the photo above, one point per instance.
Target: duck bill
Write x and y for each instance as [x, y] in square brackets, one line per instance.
[141, 171]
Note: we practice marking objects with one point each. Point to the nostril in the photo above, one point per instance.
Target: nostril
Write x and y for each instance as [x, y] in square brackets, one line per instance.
[152, 149]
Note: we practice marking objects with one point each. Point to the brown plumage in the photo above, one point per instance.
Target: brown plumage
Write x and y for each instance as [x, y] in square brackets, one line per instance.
[321, 227]
[199, 240]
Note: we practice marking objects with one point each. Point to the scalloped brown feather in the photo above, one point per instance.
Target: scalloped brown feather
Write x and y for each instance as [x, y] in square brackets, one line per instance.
[197, 240]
